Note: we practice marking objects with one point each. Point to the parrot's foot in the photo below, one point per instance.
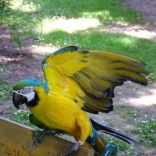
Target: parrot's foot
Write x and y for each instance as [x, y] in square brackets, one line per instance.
[41, 134]
[73, 149]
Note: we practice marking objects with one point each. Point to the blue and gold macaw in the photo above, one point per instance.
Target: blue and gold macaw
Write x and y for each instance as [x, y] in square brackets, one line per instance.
[78, 81]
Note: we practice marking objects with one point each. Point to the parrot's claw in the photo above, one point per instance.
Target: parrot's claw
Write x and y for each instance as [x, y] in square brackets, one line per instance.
[73, 149]
[41, 134]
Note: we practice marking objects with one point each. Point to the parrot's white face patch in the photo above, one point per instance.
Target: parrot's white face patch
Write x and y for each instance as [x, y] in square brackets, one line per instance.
[27, 91]
[30, 96]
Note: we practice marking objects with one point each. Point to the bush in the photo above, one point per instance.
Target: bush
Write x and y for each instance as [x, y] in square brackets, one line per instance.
[4, 4]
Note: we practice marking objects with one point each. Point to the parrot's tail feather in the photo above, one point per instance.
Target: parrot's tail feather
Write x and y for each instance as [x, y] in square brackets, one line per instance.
[110, 131]
[120, 137]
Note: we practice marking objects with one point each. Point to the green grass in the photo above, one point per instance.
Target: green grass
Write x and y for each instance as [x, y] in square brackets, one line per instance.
[100, 9]
[146, 129]
[106, 11]
[141, 125]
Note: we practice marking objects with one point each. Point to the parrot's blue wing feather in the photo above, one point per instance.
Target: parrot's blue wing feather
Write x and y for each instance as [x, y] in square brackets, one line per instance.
[63, 50]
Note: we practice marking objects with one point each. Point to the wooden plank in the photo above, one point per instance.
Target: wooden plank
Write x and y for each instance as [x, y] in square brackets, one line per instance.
[17, 140]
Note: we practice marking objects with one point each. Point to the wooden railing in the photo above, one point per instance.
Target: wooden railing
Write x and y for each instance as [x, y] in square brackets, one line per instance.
[17, 140]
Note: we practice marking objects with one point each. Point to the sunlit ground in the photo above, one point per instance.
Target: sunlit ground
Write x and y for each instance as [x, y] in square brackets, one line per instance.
[139, 96]
[68, 25]
[148, 99]
[139, 31]
[25, 7]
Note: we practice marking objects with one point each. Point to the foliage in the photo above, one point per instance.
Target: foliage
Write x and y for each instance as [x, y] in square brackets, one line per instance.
[5, 4]
[20, 29]
[5, 89]
[4, 69]
[22, 117]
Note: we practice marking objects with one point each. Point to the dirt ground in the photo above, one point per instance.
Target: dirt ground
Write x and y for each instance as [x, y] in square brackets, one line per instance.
[147, 7]
[140, 98]
[148, 30]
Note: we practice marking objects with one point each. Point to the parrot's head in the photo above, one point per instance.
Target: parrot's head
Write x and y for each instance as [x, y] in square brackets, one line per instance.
[23, 91]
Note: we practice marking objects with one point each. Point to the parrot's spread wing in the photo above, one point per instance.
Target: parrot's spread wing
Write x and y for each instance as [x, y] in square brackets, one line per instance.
[66, 61]
[89, 77]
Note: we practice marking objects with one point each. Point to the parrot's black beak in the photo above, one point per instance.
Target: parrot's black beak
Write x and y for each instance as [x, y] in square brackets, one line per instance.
[18, 99]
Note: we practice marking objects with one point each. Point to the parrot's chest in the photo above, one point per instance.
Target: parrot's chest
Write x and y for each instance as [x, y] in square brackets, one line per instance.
[57, 114]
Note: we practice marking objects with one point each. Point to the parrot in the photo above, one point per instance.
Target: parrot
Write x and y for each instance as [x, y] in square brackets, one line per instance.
[78, 82]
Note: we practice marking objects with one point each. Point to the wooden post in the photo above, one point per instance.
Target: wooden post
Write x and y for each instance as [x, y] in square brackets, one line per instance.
[17, 140]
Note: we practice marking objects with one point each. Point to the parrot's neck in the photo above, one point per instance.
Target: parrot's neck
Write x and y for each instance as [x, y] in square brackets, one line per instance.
[34, 101]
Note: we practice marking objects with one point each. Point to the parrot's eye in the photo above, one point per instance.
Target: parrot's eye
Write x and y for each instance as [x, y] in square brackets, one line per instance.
[27, 90]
